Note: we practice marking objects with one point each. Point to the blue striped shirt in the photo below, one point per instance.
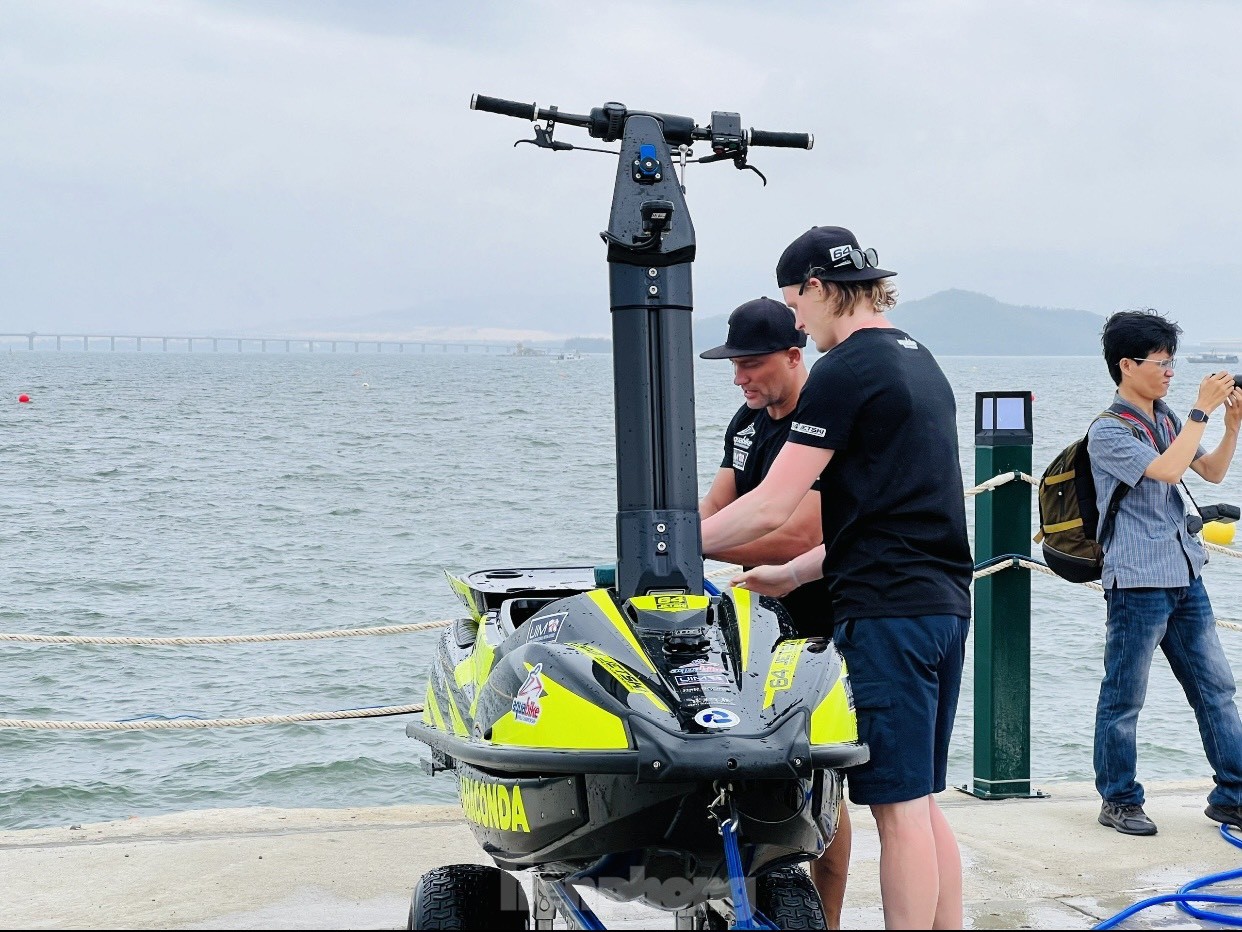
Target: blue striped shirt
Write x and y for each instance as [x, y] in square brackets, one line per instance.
[1149, 546]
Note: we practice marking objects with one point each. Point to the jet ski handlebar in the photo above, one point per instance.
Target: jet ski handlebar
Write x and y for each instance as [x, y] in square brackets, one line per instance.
[608, 123]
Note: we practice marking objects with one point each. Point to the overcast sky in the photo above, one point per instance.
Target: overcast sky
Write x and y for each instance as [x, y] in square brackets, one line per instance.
[189, 166]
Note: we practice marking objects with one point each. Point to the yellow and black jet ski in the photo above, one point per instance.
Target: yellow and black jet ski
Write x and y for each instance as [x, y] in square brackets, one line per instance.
[629, 729]
[592, 736]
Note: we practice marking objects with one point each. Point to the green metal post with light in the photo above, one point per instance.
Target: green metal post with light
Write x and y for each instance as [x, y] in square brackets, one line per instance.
[1002, 620]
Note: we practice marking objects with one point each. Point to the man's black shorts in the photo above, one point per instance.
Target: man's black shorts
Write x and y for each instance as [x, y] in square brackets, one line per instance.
[905, 674]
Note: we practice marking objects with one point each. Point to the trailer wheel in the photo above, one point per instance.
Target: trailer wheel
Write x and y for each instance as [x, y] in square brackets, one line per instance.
[789, 899]
[468, 896]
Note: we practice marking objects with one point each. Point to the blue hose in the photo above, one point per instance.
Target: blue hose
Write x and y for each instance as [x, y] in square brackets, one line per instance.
[745, 914]
[710, 587]
[1184, 897]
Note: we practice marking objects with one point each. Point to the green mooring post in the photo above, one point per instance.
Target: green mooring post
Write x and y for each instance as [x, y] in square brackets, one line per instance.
[1002, 622]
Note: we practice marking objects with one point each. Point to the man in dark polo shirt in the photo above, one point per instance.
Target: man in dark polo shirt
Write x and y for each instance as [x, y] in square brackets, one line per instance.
[766, 351]
[876, 425]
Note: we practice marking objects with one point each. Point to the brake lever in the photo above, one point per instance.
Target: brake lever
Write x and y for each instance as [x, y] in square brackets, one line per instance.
[543, 139]
[742, 163]
[739, 161]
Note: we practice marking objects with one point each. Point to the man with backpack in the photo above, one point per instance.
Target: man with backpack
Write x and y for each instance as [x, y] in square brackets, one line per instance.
[1152, 565]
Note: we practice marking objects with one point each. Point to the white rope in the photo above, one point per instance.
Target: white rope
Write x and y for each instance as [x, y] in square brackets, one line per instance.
[225, 638]
[186, 723]
[1227, 551]
[726, 572]
[153, 724]
[997, 481]
[1229, 623]
[1038, 567]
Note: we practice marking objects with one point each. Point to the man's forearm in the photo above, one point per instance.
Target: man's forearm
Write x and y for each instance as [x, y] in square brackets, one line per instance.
[1172, 464]
[739, 523]
[1213, 466]
[777, 547]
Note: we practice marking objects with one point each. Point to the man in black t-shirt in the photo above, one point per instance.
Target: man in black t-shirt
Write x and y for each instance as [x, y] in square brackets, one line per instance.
[766, 351]
[876, 425]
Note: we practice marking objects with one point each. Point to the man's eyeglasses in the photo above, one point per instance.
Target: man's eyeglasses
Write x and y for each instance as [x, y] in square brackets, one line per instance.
[1167, 364]
[859, 258]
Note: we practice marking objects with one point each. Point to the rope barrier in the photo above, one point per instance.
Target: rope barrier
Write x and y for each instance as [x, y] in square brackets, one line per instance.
[990, 568]
[997, 481]
[1017, 561]
[207, 640]
[1226, 551]
[225, 638]
[183, 723]
[1006, 562]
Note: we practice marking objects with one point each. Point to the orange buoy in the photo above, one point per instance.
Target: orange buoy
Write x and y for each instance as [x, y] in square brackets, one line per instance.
[23, 399]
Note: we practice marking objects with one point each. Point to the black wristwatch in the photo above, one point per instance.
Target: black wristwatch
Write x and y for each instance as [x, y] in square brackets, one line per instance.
[1198, 415]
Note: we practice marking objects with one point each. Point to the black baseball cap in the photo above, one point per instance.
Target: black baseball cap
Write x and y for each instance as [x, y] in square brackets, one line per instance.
[830, 254]
[757, 327]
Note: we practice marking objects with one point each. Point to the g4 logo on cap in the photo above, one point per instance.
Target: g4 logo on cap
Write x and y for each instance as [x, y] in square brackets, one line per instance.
[716, 718]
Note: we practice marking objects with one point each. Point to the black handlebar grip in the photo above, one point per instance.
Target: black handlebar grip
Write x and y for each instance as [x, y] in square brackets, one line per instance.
[504, 107]
[761, 137]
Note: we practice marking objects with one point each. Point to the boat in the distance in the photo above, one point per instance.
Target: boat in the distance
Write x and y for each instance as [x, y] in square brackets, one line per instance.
[1212, 359]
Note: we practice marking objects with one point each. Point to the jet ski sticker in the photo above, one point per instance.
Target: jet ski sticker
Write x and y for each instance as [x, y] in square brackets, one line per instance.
[526, 707]
[545, 627]
[717, 718]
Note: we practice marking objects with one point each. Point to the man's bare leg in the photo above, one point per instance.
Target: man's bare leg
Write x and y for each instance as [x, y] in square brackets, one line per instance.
[909, 868]
[831, 869]
[949, 862]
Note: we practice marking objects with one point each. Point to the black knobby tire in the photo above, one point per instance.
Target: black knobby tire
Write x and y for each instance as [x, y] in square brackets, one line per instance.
[468, 896]
[789, 900]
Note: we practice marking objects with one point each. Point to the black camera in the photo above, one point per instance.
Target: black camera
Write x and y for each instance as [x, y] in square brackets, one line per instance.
[1223, 513]
[1237, 380]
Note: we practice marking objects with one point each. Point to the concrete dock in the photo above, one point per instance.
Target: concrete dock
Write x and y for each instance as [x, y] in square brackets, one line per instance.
[1041, 863]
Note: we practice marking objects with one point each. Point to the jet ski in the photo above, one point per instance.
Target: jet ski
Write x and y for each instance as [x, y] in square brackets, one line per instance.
[628, 728]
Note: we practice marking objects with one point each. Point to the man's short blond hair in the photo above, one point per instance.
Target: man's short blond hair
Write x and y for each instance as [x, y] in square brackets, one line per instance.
[842, 297]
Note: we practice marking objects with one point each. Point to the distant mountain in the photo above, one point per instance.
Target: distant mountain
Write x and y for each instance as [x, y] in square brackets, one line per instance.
[966, 323]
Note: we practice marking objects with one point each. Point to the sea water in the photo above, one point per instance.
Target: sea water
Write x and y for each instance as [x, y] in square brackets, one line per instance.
[176, 494]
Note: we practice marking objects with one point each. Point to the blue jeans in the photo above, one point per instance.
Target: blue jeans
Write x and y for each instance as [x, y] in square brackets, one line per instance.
[1180, 621]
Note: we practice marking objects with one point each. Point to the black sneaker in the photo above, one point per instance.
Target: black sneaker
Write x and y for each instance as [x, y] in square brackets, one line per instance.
[1127, 819]
[1228, 815]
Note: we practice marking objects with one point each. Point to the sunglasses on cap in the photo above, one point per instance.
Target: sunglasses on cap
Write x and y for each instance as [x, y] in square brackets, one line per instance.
[858, 258]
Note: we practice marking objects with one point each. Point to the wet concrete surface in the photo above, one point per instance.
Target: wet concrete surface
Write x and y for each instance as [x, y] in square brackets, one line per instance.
[1037, 863]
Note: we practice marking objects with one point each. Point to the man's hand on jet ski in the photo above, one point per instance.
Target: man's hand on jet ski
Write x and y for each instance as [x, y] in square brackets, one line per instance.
[781, 579]
[775, 581]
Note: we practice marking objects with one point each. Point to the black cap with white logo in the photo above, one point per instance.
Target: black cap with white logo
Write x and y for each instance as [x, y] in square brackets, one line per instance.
[757, 327]
[830, 254]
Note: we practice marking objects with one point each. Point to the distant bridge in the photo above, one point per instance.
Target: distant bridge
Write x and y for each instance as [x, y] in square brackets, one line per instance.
[109, 341]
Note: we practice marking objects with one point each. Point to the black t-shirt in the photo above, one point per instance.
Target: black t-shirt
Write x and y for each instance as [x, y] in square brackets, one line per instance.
[893, 506]
[751, 443]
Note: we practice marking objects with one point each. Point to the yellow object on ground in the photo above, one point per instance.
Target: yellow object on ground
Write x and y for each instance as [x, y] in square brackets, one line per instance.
[1217, 532]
